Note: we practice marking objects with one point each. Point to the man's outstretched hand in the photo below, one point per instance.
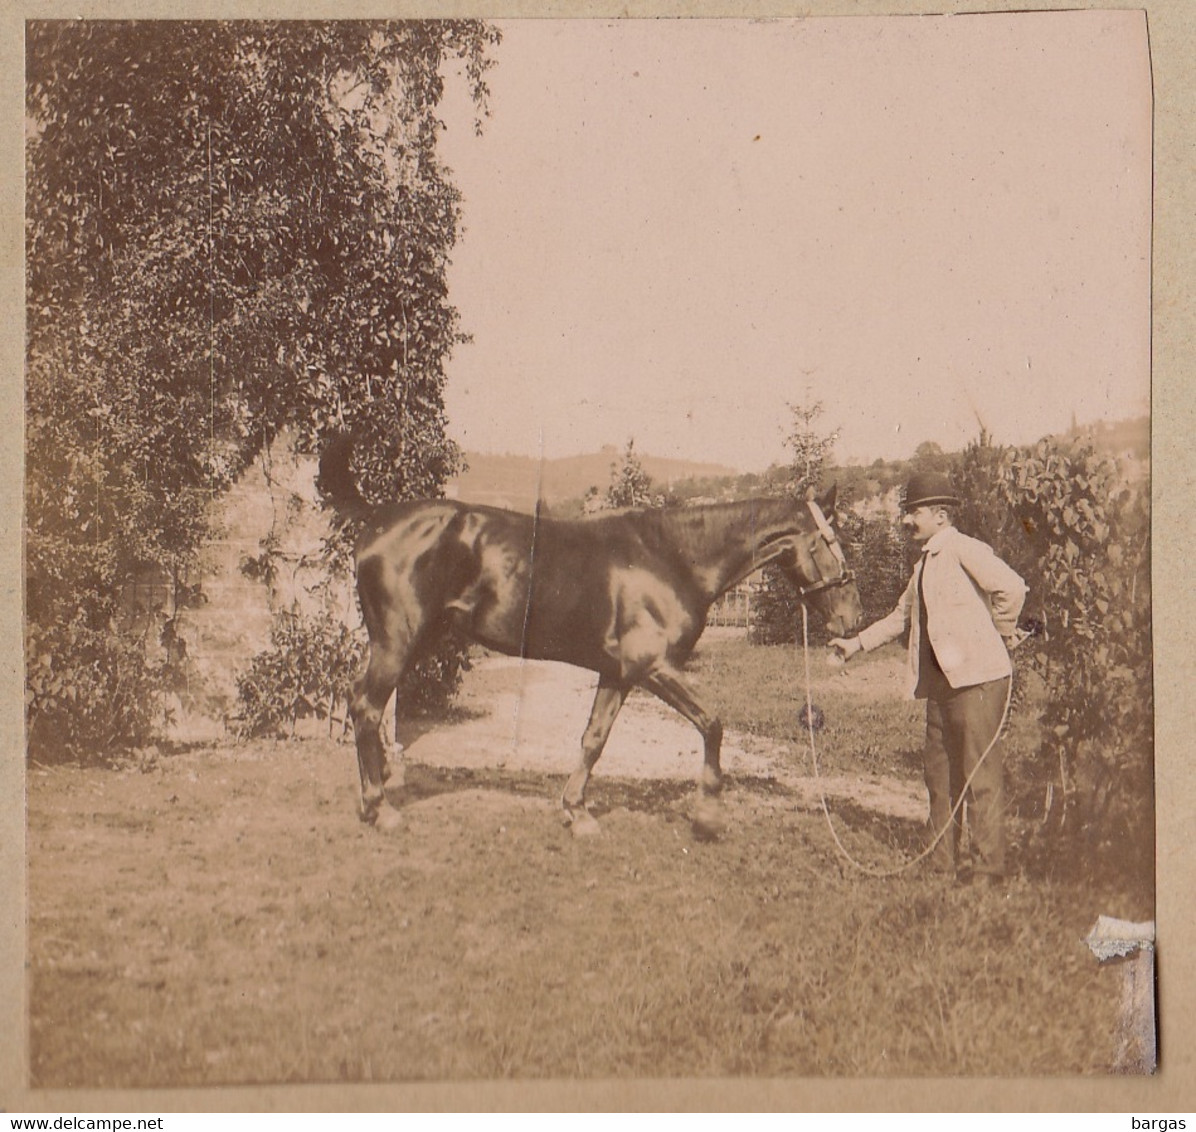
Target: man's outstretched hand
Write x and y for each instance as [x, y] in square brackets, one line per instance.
[845, 647]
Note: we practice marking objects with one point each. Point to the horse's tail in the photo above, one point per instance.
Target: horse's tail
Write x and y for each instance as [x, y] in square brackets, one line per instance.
[335, 479]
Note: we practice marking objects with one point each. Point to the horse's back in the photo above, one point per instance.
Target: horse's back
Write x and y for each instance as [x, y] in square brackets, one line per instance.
[395, 523]
[576, 591]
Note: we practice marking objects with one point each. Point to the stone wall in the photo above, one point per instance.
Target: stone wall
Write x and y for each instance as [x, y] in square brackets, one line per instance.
[273, 505]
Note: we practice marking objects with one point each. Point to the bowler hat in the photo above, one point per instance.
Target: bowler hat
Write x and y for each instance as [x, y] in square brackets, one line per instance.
[928, 488]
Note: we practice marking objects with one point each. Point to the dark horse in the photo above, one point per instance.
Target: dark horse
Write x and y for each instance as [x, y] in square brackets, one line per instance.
[625, 594]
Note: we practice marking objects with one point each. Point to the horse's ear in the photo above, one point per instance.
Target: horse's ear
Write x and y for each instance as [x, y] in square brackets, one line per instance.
[827, 503]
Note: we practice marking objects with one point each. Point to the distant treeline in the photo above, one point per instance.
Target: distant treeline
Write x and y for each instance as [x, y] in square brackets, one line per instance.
[858, 482]
[512, 481]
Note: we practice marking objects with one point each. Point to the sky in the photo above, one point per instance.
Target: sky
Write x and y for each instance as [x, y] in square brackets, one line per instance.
[676, 229]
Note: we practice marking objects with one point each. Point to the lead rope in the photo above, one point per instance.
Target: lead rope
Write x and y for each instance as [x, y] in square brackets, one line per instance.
[881, 873]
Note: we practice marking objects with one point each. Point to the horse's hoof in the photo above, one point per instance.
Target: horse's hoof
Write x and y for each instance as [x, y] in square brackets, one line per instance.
[388, 819]
[709, 822]
[707, 830]
[581, 823]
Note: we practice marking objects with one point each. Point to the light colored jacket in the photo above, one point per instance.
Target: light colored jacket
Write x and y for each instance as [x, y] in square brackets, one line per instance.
[972, 603]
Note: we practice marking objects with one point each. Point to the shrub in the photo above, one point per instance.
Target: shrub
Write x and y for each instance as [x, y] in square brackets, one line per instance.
[88, 692]
[432, 682]
[1087, 524]
[304, 674]
[630, 485]
[879, 554]
[776, 611]
[309, 668]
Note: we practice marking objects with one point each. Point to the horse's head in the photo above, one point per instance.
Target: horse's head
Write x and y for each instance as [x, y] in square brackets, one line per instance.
[817, 568]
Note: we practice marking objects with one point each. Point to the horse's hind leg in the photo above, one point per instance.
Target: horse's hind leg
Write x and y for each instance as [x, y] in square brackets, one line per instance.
[371, 694]
[607, 702]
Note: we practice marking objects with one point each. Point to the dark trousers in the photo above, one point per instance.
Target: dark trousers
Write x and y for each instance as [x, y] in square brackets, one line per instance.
[960, 725]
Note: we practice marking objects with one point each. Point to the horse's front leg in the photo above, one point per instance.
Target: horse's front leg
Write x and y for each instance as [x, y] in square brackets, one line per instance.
[607, 702]
[667, 684]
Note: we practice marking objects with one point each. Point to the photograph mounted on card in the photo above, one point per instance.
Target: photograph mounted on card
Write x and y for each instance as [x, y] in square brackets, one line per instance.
[589, 549]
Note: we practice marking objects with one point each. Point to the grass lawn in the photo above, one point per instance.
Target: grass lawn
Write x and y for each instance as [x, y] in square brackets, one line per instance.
[869, 726]
[223, 918]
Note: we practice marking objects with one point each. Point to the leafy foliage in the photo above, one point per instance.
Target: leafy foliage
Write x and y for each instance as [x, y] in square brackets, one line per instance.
[811, 449]
[880, 555]
[630, 485]
[430, 685]
[307, 673]
[88, 692]
[1087, 526]
[776, 612]
[233, 227]
[302, 675]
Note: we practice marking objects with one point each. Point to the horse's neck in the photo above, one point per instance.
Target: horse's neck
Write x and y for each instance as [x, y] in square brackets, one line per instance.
[727, 542]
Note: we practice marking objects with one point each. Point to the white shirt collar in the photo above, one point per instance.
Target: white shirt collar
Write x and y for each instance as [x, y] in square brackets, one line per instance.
[937, 540]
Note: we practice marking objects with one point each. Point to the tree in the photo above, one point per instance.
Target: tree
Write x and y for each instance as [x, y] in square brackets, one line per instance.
[811, 449]
[630, 485]
[930, 457]
[232, 227]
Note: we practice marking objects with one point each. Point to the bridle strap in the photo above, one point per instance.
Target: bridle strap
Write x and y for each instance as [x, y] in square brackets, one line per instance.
[827, 532]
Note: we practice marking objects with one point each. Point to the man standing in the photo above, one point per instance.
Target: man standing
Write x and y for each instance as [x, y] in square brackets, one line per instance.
[961, 608]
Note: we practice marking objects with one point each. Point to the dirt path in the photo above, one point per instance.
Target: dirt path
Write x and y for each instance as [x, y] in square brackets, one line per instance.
[529, 716]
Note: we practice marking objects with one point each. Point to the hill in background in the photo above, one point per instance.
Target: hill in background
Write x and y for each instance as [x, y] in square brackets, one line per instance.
[513, 481]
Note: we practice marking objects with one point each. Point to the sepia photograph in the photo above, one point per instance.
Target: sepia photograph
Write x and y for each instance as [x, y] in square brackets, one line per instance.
[588, 549]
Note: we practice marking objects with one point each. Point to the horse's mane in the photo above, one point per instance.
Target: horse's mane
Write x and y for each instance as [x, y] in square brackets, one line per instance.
[694, 528]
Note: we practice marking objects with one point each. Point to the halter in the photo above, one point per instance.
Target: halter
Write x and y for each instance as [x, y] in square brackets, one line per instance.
[845, 576]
